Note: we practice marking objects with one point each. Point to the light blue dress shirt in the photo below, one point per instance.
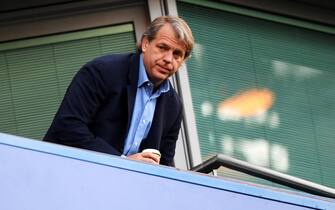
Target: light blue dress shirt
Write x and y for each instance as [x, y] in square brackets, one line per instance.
[144, 109]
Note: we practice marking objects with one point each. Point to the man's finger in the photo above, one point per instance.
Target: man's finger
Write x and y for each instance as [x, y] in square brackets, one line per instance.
[149, 160]
[152, 156]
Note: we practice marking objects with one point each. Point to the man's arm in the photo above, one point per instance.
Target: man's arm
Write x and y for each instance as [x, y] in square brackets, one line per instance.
[168, 142]
[81, 102]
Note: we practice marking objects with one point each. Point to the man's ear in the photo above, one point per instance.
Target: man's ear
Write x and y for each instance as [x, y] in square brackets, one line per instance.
[145, 43]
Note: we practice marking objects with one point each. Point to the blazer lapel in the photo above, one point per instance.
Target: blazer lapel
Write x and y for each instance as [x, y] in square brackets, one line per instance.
[132, 86]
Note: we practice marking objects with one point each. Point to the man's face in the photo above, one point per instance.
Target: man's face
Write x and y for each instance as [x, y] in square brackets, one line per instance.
[162, 56]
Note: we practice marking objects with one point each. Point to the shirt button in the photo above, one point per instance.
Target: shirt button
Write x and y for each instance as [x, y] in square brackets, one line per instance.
[143, 121]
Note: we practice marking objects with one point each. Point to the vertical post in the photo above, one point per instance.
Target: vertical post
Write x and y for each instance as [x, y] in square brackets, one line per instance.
[181, 82]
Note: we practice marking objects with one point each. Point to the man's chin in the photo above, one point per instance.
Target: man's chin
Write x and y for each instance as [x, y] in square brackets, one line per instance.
[160, 78]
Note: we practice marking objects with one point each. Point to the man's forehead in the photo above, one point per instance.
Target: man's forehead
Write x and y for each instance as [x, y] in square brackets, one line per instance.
[171, 41]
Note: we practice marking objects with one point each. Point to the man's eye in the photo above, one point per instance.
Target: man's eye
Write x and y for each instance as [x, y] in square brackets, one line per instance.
[178, 55]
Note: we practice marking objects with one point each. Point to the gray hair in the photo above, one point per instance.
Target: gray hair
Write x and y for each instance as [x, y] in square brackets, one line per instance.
[182, 31]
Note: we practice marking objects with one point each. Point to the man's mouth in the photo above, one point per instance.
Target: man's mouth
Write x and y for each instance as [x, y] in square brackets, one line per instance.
[164, 69]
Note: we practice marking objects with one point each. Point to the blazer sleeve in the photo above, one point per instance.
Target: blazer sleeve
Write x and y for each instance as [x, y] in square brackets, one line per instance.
[168, 142]
[82, 100]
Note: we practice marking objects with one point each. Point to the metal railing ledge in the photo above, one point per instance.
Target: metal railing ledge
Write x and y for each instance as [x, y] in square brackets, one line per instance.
[265, 173]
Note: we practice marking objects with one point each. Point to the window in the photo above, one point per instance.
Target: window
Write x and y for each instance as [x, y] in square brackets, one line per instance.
[35, 73]
[263, 92]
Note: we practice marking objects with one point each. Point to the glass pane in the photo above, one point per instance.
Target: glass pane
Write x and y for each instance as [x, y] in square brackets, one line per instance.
[33, 80]
[262, 92]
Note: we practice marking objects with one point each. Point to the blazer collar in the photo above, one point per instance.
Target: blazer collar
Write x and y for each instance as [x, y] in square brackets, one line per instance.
[133, 69]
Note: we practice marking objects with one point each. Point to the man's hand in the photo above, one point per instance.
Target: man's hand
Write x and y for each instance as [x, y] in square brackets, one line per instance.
[145, 157]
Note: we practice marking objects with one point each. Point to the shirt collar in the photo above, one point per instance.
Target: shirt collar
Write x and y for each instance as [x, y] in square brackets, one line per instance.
[143, 79]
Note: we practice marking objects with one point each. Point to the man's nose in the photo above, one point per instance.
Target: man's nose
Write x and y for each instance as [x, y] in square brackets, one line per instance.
[168, 56]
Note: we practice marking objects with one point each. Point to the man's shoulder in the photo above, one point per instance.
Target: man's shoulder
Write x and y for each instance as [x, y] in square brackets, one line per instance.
[115, 64]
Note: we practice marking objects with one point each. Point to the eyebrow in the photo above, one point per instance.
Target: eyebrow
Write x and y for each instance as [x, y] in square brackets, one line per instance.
[175, 50]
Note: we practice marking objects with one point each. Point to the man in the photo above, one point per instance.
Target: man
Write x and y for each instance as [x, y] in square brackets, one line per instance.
[122, 104]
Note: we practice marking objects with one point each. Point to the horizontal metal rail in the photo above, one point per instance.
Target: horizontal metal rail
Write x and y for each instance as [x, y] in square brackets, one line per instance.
[264, 173]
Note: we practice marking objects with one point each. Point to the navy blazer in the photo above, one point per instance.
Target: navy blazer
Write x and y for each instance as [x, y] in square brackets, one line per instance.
[96, 111]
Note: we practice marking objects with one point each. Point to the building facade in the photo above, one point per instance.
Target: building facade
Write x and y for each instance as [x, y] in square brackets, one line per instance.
[258, 86]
